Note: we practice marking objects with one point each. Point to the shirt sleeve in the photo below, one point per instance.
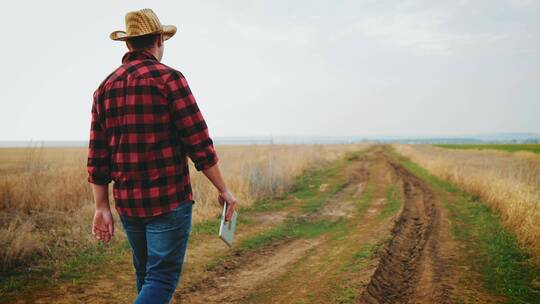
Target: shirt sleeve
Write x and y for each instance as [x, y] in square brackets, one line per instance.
[189, 123]
[99, 163]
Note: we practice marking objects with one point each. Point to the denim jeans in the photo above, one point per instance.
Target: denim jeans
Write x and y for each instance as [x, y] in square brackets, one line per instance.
[158, 245]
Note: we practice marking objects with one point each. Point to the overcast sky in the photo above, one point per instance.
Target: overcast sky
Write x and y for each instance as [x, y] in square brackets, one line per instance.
[259, 68]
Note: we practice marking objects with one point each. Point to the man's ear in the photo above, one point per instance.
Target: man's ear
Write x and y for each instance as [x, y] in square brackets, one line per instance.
[128, 46]
[160, 40]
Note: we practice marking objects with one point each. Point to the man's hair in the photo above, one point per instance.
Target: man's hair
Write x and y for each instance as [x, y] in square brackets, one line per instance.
[143, 42]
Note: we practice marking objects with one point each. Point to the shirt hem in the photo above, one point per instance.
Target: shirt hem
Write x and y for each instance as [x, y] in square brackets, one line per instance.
[169, 208]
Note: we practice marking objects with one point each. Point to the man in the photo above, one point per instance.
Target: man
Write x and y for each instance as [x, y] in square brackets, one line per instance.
[145, 122]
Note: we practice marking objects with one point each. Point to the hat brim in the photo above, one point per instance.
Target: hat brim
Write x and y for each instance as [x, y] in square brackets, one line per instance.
[167, 30]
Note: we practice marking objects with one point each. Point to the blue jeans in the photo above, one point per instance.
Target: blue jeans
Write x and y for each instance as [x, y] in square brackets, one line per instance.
[158, 245]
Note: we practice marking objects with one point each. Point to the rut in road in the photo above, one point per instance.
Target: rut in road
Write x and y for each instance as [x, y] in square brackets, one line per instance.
[411, 267]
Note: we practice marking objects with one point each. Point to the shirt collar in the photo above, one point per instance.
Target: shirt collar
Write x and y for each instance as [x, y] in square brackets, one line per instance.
[137, 55]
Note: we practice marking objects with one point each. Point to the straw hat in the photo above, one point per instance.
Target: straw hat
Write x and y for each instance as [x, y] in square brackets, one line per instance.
[143, 22]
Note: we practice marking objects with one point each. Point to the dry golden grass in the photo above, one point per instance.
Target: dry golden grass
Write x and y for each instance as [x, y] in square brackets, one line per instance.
[509, 182]
[46, 205]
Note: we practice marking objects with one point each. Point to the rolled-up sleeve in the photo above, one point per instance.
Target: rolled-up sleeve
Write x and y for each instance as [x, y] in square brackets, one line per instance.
[189, 123]
[99, 162]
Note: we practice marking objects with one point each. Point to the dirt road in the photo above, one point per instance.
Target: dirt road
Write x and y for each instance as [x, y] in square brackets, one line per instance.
[410, 267]
[364, 231]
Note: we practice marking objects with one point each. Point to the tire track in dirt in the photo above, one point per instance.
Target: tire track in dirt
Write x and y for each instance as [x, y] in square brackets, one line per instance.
[229, 285]
[411, 267]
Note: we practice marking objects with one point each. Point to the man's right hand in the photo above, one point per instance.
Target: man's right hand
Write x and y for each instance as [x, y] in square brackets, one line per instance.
[103, 225]
[228, 197]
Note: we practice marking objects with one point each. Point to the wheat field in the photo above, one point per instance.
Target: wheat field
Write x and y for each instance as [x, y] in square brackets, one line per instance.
[508, 182]
[46, 204]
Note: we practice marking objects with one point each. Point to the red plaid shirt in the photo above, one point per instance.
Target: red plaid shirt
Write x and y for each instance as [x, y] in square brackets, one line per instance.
[145, 122]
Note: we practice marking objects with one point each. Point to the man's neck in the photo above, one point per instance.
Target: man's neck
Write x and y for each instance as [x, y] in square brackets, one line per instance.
[152, 51]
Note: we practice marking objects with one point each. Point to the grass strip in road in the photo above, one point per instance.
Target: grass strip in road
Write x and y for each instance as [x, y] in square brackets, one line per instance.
[316, 188]
[365, 199]
[535, 148]
[265, 205]
[292, 228]
[394, 203]
[507, 269]
[361, 258]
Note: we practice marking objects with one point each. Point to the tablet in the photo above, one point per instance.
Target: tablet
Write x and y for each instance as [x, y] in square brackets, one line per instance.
[226, 229]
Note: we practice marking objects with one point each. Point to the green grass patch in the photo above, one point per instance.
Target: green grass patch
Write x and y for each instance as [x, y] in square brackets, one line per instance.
[507, 269]
[264, 205]
[355, 155]
[292, 228]
[309, 188]
[82, 265]
[210, 226]
[348, 292]
[535, 148]
[308, 184]
[365, 199]
[364, 253]
[394, 202]
[317, 201]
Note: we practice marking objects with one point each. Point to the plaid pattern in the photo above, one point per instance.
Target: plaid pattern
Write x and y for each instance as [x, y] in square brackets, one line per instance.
[145, 122]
